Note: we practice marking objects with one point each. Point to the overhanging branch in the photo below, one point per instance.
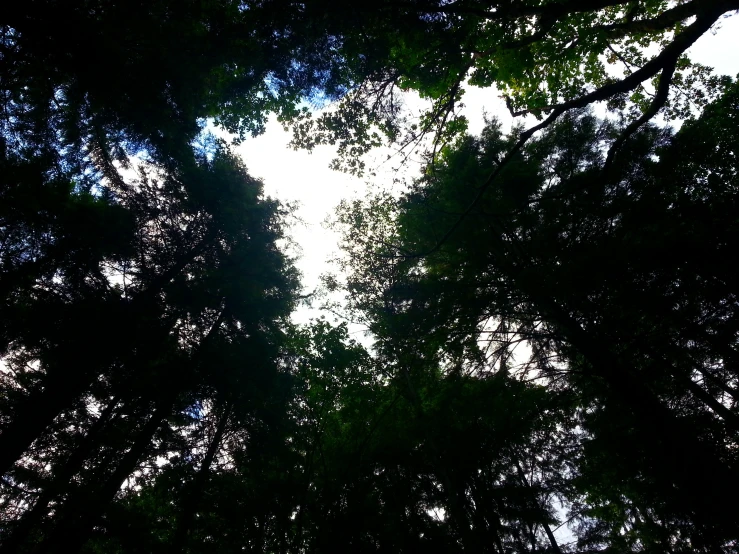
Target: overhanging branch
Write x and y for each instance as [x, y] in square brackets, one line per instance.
[666, 59]
[660, 100]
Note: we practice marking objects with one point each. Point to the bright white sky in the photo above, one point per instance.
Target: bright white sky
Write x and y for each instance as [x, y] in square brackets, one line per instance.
[299, 176]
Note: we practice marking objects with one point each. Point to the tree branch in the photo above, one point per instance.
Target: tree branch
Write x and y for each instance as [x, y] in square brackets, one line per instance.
[660, 99]
[667, 58]
[519, 9]
[663, 21]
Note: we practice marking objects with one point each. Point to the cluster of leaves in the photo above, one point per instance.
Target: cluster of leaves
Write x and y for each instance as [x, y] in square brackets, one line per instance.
[143, 295]
[555, 325]
[543, 57]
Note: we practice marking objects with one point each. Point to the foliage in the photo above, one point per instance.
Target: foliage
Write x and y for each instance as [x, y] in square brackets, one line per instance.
[553, 317]
[617, 280]
[543, 58]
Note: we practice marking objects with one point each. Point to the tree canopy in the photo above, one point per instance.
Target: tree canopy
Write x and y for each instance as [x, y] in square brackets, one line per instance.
[544, 57]
[552, 363]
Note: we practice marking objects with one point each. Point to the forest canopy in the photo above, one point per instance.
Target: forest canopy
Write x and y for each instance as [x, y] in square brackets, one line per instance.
[552, 363]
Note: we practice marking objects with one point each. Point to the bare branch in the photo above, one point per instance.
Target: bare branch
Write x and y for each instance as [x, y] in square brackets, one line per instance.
[660, 100]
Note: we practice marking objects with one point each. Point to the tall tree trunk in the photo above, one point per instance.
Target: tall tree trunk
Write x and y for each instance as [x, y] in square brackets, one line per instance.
[194, 492]
[59, 482]
[80, 513]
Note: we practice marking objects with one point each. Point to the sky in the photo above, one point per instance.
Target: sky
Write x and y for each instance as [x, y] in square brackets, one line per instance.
[305, 178]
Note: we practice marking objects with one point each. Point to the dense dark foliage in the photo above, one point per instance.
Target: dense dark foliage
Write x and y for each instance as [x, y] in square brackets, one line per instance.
[619, 286]
[554, 315]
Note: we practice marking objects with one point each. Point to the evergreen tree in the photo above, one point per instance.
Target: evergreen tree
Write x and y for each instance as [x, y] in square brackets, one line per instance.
[599, 271]
[553, 317]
